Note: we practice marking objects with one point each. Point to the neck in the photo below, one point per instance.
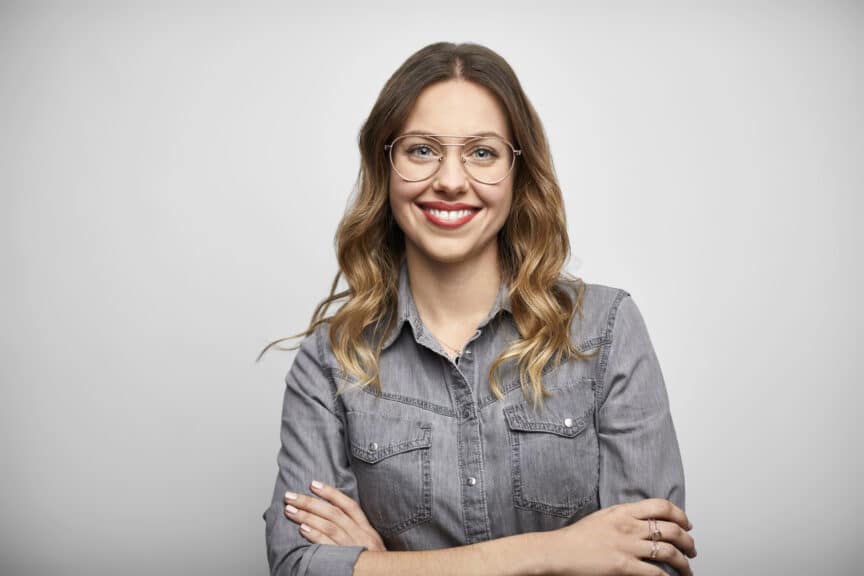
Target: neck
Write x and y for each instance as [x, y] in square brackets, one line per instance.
[455, 296]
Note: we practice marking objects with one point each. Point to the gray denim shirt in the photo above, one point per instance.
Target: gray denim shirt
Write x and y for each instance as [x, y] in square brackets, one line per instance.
[438, 461]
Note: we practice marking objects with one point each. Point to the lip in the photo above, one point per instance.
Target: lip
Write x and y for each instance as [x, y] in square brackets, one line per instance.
[445, 206]
[448, 224]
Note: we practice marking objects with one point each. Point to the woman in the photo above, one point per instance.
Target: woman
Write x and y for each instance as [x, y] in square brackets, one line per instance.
[471, 408]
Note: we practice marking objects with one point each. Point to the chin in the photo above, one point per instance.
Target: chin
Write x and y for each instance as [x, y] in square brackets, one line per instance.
[446, 257]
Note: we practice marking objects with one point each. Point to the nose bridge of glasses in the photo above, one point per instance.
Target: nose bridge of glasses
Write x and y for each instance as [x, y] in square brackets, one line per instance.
[446, 168]
[459, 153]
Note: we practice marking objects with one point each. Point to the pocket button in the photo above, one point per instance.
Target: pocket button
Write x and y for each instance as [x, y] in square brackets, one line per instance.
[568, 422]
[373, 446]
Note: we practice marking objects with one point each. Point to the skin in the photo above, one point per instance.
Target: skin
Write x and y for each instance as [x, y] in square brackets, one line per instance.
[454, 278]
[454, 274]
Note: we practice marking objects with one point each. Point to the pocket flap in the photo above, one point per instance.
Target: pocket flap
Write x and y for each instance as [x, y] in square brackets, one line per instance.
[564, 414]
[375, 438]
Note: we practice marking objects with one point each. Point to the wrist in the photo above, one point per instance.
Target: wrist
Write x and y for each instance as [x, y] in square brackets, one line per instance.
[541, 548]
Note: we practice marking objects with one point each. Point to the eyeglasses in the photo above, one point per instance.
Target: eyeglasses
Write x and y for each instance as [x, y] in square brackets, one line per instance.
[417, 157]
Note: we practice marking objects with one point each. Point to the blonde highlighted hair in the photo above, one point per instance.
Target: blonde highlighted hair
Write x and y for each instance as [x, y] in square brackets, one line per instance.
[533, 245]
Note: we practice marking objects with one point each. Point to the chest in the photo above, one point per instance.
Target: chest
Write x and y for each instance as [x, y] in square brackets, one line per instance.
[440, 459]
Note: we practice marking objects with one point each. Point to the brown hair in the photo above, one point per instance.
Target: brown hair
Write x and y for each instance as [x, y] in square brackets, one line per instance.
[533, 245]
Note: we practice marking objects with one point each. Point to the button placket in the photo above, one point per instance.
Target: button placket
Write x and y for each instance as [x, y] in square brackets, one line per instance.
[474, 505]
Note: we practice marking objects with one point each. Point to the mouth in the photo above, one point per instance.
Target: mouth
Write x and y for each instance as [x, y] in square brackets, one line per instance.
[448, 216]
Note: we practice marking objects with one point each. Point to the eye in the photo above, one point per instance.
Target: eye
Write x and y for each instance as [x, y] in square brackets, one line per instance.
[422, 151]
[482, 153]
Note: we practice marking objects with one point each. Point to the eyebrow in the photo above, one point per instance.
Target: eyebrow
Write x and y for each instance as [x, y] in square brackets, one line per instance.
[475, 135]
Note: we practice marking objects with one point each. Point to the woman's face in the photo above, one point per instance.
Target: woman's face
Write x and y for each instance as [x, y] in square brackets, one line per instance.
[460, 108]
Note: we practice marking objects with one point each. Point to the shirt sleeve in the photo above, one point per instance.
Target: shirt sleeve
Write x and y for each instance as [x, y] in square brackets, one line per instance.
[313, 448]
[639, 453]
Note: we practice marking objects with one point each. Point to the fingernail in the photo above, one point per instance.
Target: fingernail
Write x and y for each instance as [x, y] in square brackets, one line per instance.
[316, 484]
[290, 509]
[290, 495]
[305, 528]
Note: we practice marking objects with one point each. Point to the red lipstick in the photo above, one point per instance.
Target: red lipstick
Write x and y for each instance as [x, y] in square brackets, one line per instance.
[442, 208]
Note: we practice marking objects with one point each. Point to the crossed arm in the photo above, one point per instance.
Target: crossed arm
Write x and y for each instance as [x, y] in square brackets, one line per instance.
[639, 459]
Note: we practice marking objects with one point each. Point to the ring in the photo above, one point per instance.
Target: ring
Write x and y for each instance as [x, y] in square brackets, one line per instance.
[654, 549]
[656, 534]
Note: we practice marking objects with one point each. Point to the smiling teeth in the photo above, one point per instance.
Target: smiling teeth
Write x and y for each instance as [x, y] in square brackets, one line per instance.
[449, 214]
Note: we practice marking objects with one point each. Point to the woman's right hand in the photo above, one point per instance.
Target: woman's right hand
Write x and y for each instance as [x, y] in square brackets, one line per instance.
[616, 540]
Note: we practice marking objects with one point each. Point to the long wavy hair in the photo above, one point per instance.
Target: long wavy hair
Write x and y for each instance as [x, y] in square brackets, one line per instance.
[533, 245]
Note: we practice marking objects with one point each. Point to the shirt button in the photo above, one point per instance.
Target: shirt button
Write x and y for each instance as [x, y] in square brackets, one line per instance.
[471, 481]
[467, 352]
[373, 446]
[568, 422]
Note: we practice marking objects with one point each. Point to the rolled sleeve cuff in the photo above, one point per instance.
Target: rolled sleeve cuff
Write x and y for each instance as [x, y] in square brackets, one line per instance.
[330, 560]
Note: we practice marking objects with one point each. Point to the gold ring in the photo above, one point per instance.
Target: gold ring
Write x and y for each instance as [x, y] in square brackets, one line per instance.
[656, 534]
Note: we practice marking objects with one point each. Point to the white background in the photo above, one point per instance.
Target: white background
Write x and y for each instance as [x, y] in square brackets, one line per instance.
[171, 177]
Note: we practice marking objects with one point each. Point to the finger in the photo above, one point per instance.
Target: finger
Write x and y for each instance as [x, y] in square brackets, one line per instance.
[320, 508]
[673, 533]
[336, 535]
[352, 510]
[314, 536]
[667, 553]
[661, 509]
[333, 533]
[345, 503]
[319, 515]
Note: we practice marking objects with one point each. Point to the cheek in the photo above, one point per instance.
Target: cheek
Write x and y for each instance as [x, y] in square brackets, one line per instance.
[401, 199]
[403, 194]
[500, 200]
[397, 196]
[503, 205]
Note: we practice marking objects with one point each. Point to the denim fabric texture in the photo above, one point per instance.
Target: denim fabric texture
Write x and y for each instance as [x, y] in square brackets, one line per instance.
[438, 461]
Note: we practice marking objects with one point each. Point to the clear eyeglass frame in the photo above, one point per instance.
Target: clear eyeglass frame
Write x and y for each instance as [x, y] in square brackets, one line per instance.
[469, 139]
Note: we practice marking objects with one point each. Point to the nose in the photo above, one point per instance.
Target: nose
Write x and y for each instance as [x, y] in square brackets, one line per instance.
[451, 176]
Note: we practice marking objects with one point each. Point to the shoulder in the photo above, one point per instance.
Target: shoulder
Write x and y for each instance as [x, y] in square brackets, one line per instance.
[312, 345]
[315, 356]
[599, 306]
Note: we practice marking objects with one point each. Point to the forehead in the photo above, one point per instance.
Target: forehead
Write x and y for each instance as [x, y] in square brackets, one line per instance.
[457, 107]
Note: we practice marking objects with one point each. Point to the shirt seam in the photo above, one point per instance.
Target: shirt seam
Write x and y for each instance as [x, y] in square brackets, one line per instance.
[331, 394]
[603, 391]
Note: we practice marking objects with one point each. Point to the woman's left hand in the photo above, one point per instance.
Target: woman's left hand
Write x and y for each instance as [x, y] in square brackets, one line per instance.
[333, 519]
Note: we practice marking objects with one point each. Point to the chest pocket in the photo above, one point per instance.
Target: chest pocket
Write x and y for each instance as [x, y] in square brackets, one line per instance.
[392, 462]
[554, 453]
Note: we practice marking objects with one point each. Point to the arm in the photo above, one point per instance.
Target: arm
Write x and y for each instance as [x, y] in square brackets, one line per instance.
[313, 448]
[639, 454]
[516, 555]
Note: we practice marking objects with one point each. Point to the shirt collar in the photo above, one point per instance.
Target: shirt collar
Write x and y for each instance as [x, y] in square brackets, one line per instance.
[407, 310]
